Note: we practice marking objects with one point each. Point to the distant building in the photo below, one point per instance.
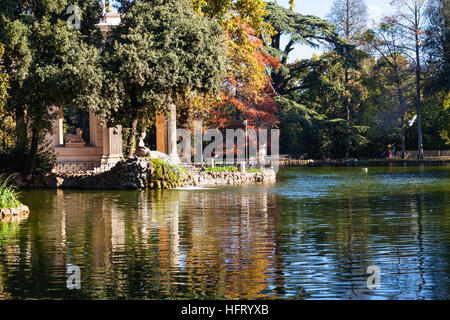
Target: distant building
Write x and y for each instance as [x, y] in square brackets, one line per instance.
[104, 146]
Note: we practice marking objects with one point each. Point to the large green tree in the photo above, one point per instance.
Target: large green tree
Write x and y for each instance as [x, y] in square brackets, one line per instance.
[300, 30]
[410, 15]
[437, 45]
[301, 84]
[437, 75]
[350, 18]
[42, 50]
[161, 52]
[386, 42]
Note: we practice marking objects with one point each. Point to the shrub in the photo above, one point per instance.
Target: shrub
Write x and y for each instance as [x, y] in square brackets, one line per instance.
[222, 169]
[166, 175]
[8, 195]
[13, 159]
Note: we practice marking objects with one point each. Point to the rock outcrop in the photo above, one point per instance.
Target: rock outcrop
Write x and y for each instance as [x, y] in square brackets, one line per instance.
[229, 178]
[143, 174]
[130, 174]
[14, 213]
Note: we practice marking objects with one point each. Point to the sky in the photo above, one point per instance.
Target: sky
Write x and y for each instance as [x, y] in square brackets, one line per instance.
[320, 8]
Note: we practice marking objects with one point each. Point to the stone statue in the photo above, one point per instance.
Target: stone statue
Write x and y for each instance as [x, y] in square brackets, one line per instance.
[75, 138]
[262, 155]
[141, 149]
[262, 152]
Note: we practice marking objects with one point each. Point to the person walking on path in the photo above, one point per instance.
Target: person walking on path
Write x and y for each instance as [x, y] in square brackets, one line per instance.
[389, 151]
[392, 151]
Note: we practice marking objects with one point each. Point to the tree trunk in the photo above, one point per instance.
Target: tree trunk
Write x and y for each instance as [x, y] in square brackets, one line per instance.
[172, 131]
[132, 138]
[347, 107]
[402, 135]
[418, 98]
[30, 163]
[419, 119]
[277, 77]
[21, 130]
[402, 107]
[347, 20]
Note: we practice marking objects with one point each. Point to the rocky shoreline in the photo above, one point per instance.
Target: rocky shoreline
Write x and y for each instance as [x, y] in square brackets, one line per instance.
[130, 174]
[16, 212]
[209, 179]
[142, 174]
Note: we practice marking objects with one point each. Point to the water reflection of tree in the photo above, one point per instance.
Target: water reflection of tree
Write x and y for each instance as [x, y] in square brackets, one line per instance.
[230, 244]
[404, 231]
[181, 245]
[233, 243]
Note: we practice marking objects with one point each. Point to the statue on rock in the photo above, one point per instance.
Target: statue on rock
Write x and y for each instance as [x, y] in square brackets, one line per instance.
[142, 150]
[75, 140]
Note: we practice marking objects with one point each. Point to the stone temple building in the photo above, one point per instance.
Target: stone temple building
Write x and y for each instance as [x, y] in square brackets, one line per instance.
[102, 148]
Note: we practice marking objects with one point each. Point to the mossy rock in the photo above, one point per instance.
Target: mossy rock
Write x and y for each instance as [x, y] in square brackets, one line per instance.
[166, 175]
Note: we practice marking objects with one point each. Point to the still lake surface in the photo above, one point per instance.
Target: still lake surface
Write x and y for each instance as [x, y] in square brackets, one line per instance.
[312, 235]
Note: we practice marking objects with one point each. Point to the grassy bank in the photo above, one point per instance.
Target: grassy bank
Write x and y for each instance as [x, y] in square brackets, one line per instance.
[8, 195]
[222, 169]
[230, 169]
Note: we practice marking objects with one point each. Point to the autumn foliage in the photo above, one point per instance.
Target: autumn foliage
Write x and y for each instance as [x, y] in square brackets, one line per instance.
[246, 92]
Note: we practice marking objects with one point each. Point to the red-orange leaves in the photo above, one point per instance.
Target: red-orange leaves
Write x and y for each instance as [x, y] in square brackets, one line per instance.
[247, 93]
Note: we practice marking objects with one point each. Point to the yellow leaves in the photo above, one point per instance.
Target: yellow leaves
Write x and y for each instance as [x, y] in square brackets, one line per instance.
[202, 103]
[252, 12]
[247, 74]
[445, 134]
[4, 83]
[246, 31]
[446, 100]
[291, 3]
[198, 5]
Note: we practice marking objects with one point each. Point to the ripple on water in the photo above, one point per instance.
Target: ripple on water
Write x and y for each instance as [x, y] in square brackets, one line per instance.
[310, 236]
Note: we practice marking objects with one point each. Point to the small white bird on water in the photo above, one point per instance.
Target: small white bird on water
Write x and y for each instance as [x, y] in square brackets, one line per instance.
[366, 170]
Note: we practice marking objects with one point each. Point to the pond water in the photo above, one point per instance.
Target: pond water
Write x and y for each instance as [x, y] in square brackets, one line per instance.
[312, 235]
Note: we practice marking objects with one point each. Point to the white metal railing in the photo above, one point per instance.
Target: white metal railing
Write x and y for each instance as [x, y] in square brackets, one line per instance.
[81, 166]
[429, 153]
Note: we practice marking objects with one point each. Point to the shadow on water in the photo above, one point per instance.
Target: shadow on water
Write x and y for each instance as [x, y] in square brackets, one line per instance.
[312, 235]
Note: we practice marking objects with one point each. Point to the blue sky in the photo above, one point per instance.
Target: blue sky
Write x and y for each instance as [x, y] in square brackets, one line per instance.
[376, 8]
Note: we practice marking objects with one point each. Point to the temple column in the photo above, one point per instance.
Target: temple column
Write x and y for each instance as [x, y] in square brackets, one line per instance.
[161, 133]
[172, 134]
[56, 137]
[112, 145]
[60, 129]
